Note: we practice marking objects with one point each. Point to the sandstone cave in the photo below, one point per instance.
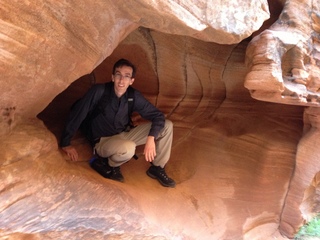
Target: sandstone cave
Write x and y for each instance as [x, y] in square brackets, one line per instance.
[243, 99]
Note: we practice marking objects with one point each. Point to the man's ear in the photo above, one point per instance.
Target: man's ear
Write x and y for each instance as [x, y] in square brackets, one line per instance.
[112, 78]
[132, 80]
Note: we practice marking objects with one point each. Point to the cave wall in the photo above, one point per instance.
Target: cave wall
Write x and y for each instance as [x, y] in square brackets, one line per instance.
[241, 165]
[68, 40]
[222, 142]
[284, 68]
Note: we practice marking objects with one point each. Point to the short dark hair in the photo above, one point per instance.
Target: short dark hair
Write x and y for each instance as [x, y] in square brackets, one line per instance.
[124, 62]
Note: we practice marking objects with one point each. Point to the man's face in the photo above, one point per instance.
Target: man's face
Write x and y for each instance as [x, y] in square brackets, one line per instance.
[122, 79]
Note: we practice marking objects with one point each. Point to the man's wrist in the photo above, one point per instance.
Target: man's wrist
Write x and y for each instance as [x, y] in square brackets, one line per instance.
[151, 138]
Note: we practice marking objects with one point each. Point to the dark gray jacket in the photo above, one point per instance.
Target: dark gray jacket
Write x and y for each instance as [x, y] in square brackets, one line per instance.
[114, 119]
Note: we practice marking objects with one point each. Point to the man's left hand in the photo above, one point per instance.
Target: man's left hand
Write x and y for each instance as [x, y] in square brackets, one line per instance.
[150, 149]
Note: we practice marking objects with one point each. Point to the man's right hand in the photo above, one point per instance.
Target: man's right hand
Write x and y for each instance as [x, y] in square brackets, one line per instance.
[71, 152]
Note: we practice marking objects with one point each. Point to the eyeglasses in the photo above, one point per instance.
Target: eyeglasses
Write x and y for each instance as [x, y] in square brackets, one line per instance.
[118, 76]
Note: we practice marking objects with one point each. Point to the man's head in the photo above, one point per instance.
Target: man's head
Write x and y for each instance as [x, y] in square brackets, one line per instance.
[124, 62]
[123, 76]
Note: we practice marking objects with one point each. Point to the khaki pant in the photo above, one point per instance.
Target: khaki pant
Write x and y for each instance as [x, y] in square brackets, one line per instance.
[120, 148]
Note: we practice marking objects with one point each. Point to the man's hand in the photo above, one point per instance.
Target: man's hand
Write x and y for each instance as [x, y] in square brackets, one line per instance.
[150, 149]
[71, 152]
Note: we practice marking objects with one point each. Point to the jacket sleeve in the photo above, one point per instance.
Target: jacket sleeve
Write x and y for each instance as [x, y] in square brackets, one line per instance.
[149, 112]
[79, 112]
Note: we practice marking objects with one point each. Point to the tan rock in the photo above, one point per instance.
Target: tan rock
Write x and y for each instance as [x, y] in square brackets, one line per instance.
[283, 63]
[242, 166]
[282, 59]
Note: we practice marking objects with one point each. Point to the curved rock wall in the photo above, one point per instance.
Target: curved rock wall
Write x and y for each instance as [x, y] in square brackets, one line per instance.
[238, 162]
[49, 45]
[284, 68]
[284, 59]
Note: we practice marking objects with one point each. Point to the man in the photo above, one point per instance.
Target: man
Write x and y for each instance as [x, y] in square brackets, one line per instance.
[108, 130]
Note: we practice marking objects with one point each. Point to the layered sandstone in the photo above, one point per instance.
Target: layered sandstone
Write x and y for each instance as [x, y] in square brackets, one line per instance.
[245, 168]
[284, 68]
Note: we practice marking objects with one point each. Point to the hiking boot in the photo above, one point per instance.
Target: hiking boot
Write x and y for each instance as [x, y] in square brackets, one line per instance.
[116, 174]
[159, 173]
[102, 167]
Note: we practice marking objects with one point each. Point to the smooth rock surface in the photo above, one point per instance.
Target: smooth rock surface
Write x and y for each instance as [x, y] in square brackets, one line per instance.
[245, 169]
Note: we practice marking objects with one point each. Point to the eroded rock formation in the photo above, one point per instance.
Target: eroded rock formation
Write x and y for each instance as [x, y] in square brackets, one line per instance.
[245, 168]
[284, 68]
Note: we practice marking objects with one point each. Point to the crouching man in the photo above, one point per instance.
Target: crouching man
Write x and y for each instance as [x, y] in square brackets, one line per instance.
[107, 110]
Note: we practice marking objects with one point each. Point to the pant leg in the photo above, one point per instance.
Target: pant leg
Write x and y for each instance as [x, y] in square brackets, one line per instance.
[117, 149]
[163, 142]
[163, 145]
[121, 148]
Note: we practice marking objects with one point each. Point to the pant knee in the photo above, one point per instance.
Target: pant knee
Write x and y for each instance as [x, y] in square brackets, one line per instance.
[168, 128]
[168, 124]
[131, 148]
[126, 150]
